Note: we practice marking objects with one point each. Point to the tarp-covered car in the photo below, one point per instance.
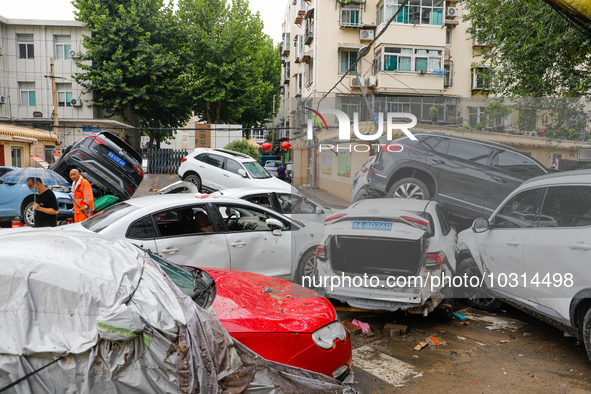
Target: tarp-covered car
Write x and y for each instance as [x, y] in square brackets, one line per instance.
[387, 254]
[83, 313]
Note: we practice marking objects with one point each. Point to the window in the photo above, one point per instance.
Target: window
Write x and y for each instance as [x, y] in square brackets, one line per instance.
[448, 36]
[62, 47]
[183, 221]
[350, 15]
[142, 229]
[233, 166]
[478, 78]
[27, 91]
[470, 151]
[517, 165]
[241, 218]
[566, 206]
[64, 94]
[448, 80]
[309, 30]
[213, 160]
[25, 46]
[476, 114]
[396, 59]
[445, 226]
[423, 12]
[17, 157]
[520, 211]
[308, 73]
[348, 58]
[298, 80]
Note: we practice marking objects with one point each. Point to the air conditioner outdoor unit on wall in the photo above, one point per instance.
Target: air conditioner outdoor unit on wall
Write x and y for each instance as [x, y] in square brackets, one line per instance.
[372, 82]
[355, 82]
[366, 35]
[76, 102]
[453, 12]
[2, 99]
[74, 54]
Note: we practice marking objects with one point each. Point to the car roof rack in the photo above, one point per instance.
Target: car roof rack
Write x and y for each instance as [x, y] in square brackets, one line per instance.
[233, 153]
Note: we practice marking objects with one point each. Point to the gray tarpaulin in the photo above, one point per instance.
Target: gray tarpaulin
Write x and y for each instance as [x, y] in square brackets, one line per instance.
[117, 324]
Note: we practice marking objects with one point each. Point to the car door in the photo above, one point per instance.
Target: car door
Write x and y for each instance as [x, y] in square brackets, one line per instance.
[210, 169]
[231, 177]
[464, 175]
[557, 252]
[181, 240]
[509, 170]
[501, 248]
[253, 246]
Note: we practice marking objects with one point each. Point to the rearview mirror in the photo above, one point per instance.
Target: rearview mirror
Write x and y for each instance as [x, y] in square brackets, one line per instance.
[243, 173]
[274, 224]
[319, 210]
[480, 225]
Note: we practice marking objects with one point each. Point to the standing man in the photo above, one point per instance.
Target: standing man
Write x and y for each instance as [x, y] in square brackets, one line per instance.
[83, 199]
[45, 205]
[281, 172]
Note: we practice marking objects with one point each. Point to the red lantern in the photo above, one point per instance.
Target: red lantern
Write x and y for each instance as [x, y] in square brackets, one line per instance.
[285, 145]
[266, 146]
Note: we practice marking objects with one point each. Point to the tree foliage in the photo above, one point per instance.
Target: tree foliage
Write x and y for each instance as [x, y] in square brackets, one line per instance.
[233, 69]
[533, 50]
[243, 146]
[134, 56]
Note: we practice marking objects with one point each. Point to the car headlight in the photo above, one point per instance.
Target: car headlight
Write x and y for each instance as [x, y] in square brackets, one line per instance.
[324, 337]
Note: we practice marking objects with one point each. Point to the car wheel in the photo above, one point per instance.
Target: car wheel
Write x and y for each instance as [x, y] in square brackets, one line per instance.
[410, 188]
[306, 267]
[194, 179]
[475, 296]
[29, 215]
[587, 333]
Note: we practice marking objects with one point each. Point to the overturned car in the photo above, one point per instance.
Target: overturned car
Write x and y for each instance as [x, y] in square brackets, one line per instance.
[387, 254]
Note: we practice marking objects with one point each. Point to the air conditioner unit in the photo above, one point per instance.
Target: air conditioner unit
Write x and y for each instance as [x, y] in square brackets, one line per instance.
[372, 82]
[74, 54]
[355, 82]
[2, 99]
[76, 103]
[453, 12]
[366, 35]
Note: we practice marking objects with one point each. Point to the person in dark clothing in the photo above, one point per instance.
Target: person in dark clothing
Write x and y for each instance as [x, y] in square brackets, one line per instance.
[45, 205]
[281, 172]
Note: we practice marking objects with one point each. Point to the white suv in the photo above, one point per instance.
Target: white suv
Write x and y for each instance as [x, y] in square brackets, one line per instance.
[219, 169]
[534, 252]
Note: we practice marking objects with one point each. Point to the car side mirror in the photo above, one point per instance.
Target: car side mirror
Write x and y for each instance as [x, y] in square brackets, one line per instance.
[243, 173]
[480, 225]
[274, 225]
[319, 210]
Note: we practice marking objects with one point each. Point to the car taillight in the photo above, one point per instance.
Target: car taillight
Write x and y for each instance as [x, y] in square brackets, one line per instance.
[139, 171]
[78, 153]
[320, 252]
[434, 259]
[330, 218]
[184, 160]
[98, 140]
[414, 220]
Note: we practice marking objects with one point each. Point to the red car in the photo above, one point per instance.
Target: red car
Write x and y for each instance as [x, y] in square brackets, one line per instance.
[279, 320]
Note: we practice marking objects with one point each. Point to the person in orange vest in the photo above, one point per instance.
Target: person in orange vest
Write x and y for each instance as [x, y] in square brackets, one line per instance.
[83, 199]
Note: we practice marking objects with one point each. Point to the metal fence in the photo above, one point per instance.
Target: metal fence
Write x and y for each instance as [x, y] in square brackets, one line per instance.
[163, 161]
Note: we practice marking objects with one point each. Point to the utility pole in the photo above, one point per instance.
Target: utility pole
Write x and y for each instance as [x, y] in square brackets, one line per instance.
[273, 131]
[53, 90]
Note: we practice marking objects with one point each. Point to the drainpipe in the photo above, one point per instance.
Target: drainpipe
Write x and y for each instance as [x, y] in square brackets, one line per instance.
[46, 109]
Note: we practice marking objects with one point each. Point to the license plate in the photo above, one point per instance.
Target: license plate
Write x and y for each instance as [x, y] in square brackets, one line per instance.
[380, 226]
[117, 159]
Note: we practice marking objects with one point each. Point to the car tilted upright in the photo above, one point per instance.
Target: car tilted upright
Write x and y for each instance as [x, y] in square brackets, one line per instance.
[534, 252]
[219, 169]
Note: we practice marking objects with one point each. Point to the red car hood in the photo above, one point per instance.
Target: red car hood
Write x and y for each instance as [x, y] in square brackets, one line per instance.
[247, 302]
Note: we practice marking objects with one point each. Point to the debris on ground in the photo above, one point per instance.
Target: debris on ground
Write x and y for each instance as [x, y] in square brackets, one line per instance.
[420, 346]
[491, 328]
[526, 334]
[432, 341]
[460, 317]
[365, 328]
[352, 328]
[504, 341]
[394, 330]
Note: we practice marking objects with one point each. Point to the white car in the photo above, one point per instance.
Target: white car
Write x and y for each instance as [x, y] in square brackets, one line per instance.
[218, 169]
[387, 254]
[540, 262]
[210, 231]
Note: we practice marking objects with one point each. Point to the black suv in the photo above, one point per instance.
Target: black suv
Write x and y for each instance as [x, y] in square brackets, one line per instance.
[107, 161]
[468, 177]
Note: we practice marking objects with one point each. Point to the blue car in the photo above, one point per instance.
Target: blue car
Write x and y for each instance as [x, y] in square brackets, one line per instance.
[17, 200]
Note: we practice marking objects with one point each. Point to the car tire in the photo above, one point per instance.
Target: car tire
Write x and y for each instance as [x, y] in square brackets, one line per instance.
[29, 214]
[587, 332]
[476, 297]
[409, 188]
[194, 179]
[306, 266]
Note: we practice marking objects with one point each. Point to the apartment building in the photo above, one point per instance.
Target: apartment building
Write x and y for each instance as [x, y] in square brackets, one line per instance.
[424, 59]
[26, 91]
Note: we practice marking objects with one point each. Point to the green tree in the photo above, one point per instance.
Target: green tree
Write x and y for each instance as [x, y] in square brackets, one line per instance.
[495, 111]
[233, 70]
[244, 147]
[134, 56]
[434, 114]
[533, 50]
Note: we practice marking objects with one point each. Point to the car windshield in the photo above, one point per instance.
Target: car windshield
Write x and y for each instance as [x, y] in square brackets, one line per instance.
[105, 218]
[273, 164]
[256, 170]
[193, 282]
